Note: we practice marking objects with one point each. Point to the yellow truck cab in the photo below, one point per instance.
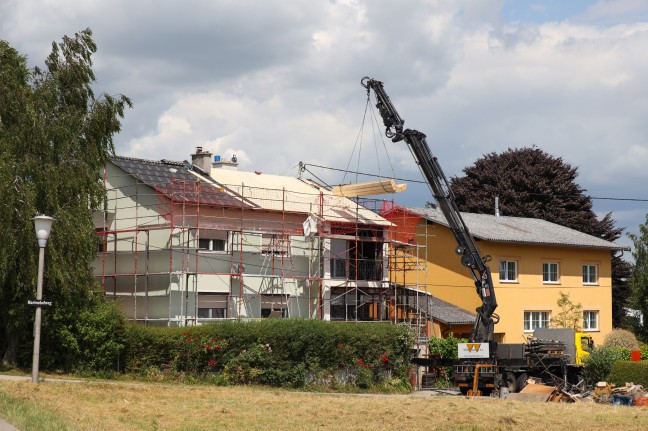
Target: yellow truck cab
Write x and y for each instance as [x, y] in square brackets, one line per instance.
[584, 345]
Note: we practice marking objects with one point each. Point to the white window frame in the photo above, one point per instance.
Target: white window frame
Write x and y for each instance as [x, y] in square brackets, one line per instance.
[536, 316]
[506, 270]
[588, 274]
[212, 237]
[548, 272]
[590, 316]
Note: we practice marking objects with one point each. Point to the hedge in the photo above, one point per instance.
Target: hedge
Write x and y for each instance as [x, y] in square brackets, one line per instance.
[626, 371]
[277, 352]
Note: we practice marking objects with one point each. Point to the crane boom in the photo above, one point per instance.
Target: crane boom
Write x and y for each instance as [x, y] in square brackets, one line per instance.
[483, 328]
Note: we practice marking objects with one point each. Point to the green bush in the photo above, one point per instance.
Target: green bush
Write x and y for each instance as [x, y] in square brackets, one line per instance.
[599, 363]
[446, 347]
[100, 338]
[621, 338]
[626, 372]
[276, 352]
[644, 351]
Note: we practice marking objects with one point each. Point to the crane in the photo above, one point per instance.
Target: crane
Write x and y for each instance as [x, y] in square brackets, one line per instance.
[483, 329]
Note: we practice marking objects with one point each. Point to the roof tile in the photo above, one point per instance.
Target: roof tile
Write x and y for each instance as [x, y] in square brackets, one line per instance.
[521, 230]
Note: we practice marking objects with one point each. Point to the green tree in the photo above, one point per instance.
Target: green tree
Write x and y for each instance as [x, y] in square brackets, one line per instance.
[570, 315]
[531, 183]
[639, 279]
[55, 137]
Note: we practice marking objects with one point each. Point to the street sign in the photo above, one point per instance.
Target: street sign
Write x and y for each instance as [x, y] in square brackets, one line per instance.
[37, 303]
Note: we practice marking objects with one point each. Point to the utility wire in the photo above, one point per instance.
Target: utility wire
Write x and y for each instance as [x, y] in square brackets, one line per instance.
[424, 182]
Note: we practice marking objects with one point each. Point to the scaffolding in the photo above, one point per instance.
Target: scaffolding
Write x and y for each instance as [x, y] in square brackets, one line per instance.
[192, 250]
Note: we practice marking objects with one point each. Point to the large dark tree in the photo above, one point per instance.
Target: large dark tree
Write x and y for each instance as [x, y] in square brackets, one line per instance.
[55, 136]
[532, 183]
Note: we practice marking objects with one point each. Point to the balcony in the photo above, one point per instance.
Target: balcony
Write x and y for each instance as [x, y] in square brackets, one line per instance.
[359, 269]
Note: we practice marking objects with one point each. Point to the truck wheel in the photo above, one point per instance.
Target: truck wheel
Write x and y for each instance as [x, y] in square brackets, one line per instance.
[521, 381]
[510, 382]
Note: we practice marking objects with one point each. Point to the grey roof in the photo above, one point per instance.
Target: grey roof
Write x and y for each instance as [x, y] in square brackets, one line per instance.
[521, 230]
[175, 181]
[449, 314]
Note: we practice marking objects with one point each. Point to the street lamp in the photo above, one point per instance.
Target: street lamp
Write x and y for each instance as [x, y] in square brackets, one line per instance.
[43, 225]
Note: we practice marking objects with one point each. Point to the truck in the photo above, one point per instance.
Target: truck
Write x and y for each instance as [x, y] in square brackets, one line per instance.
[484, 365]
[552, 356]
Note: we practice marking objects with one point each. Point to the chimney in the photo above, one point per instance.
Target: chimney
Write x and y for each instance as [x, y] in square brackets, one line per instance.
[219, 163]
[202, 159]
[497, 213]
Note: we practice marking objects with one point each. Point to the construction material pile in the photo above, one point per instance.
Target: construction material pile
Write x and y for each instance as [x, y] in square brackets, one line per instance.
[628, 395]
[604, 393]
[533, 392]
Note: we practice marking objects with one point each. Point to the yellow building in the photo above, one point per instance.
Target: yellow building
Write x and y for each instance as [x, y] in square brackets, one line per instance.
[532, 262]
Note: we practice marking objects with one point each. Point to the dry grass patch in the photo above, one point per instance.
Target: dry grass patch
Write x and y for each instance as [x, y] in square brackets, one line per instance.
[123, 406]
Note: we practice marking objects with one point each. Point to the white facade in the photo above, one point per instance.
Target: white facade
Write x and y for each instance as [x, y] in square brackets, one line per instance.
[177, 247]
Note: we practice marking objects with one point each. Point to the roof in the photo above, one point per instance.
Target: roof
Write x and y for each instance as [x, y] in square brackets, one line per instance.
[283, 193]
[442, 311]
[239, 189]
[175, 181]
[450, 314]
[521, 230]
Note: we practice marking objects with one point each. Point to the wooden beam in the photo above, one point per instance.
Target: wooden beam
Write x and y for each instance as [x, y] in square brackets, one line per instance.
[379, 187]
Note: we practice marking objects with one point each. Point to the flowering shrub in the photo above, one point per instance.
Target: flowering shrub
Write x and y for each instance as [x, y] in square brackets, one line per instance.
[249, 365]
[197, 355]
[276, 352]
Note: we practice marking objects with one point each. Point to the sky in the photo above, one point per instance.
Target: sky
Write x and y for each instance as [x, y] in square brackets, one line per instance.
[277, 82]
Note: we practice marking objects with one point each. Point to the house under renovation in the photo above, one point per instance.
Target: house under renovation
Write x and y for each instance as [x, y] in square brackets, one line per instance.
[182, 243]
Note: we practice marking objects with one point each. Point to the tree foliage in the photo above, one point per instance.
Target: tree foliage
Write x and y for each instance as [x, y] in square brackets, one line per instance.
[639, 279]
[570, 315]
[531, 183]
[55, 137]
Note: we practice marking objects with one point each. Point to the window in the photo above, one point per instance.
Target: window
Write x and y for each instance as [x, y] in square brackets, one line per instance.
[590, 320]
[212, 306]
[369, 305]
[211, 313]
[550, 272]
[274, 244]
[508, 270]
[590, 274]
[535, 319]
[213, 241]
[274, 305]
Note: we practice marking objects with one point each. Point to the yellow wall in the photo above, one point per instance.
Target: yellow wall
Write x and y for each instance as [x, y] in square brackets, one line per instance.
[447, 279]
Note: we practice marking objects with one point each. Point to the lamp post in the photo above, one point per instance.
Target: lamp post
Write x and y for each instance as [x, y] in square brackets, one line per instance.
[43, 225]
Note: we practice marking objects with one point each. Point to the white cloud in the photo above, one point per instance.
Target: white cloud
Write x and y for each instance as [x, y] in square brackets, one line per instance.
[276, 82]
[616, 10]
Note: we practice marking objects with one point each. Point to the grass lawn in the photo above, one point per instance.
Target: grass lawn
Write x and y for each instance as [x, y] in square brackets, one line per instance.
[96, 405]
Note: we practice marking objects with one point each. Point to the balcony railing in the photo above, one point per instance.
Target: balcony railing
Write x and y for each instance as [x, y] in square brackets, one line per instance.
[360, 269]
